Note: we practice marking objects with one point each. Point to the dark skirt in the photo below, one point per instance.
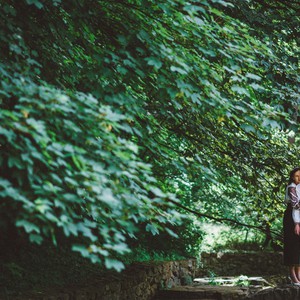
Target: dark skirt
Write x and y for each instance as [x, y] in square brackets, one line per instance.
[291, 241]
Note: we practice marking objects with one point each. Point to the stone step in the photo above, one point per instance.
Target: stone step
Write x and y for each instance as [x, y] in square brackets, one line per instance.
[205, 292]
[182, 296]
[202, 292]
[186, 299]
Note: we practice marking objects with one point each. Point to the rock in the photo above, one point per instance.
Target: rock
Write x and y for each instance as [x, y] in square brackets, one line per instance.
[287, 292]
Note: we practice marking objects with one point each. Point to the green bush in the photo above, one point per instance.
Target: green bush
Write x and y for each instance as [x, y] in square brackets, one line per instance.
[64, 166]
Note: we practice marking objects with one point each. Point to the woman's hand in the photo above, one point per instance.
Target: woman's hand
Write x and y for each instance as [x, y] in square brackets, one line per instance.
[297, 228]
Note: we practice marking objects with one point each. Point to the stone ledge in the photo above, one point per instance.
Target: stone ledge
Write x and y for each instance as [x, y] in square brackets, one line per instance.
[140, 281]
[205, 292]
[285, 292]
[237, 263]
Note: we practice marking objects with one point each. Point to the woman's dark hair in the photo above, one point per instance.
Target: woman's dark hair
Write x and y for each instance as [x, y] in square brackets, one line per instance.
[292, 174]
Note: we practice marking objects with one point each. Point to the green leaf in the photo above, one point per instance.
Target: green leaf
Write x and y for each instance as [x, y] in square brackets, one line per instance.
[114, 264]
[253, 76]
[153, 61]
[28, 226]
[35, 238]
[151, 228]
[37, 3]
[240, 90]
[157, 192]
[178, 70]
[82, 249]
[248, 128]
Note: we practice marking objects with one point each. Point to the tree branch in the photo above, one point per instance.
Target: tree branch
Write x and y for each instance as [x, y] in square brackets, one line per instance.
[226, 220]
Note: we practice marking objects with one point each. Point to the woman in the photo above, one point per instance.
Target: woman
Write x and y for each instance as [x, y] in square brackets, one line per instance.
[291, 227]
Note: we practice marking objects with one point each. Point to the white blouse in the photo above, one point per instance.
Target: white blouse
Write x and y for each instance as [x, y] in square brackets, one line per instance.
[292, 196]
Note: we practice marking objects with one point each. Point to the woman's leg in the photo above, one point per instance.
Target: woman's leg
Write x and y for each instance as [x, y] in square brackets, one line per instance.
[297, 272]
[294, 274]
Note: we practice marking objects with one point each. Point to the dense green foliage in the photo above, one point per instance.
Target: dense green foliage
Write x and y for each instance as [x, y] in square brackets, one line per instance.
[114, 111]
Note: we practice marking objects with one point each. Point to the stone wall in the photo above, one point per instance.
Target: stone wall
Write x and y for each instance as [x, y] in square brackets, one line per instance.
[277, 293]
[142, 281]
[241, 263]
[138, 282]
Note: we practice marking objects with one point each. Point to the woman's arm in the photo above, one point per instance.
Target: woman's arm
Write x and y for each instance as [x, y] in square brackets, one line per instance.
[293, 196]
[296, 215]
[296, 211]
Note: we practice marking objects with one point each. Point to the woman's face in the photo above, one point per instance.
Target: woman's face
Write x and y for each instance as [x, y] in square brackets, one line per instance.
[296, 177]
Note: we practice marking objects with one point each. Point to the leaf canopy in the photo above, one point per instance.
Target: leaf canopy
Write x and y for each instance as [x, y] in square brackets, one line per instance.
[113, 112]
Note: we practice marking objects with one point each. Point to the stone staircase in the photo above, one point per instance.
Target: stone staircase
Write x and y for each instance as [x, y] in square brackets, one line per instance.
[229, 293]
[259, 289]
